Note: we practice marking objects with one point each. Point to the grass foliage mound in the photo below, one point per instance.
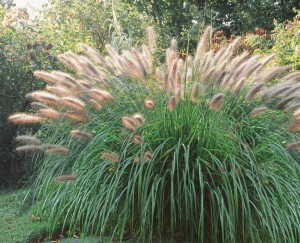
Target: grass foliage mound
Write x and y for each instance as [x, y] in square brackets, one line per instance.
[203, 148]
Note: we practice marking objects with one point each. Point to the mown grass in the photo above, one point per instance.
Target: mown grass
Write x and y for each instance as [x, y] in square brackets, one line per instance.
[16, 219]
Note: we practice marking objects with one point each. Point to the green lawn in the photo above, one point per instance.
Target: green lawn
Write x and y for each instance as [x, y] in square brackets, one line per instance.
[16, 219]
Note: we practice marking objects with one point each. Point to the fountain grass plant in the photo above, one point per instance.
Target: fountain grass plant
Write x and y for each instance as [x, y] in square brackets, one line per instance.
[203, 149]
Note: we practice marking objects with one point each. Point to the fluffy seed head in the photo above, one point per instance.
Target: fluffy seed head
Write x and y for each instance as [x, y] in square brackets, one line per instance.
[65, 178]
[30, 148]
[295, 126]
[77, 116]
[25, 118]
[57, 150]
[44, 97]
[137, 139]
[151, 34]
[45, 76]
[82, 135]
[129, 123]
[257, 111]
[293, 146]
[139, 118]
[149, 104]
[38, 105]
[101, 95]
[112, 157]
[148, 156]
[216, 102]
[29, 140]
[172, 103]
[95, 104]
[59, 90]
[50, 114]
[73, 102]
[195, 92]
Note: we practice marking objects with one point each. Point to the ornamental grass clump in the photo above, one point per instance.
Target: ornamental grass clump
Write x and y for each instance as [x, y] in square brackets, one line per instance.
[195, 149]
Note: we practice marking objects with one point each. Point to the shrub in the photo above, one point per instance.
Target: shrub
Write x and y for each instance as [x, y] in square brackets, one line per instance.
[287, 42]
[204, 150]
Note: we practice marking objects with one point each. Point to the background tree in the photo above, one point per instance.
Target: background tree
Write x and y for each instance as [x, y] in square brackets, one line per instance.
[7, 4]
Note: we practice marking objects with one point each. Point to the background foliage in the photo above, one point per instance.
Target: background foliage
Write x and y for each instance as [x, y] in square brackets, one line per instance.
[34, 45]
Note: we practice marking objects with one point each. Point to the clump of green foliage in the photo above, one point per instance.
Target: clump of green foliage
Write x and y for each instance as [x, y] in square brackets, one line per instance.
[287, 42]
[201, 148]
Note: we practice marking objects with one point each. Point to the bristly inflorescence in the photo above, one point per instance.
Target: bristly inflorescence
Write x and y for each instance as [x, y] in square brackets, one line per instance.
[66, 97]
[160, 116]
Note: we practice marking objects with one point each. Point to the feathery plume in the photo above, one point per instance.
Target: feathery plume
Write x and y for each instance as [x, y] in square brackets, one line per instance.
[272, 73]
[148, 156]
[172, 103]
[195, 92]
[58, 90]
[57, 150]
[208, 75]
[264, 62]
[137, 139]
[151, 35]
[149, 104]
[139, 118]
[254, 90]
[296, 113]
[174, 45]
[73, 102]
[78, 116]
[284, 102]
[44, 97]
[38, 105]
[29, 140]
[293, 146]
[134, 68]
[95, 104]
[112, 157]
[94, 55]
[130, 123]
[258, 110]
[239, 85]
[295, 126]
[81, 134]
[30, 148]
[136, 159]
[65, 178]
[216, 102]
[50, 113]
[101, 95]
[204, 43]
[25, 118]
[294, 76]
[45, 76]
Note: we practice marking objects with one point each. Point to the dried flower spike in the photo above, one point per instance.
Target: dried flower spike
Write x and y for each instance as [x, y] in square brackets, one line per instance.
[148, 156]
[30, 148]
[29, 140]
[57, 150]
[139, 118]
[25, 118]
[129, 123]
[65, 178]
[293, 146]
[216, 102]
[113, 157]
[257, 111]
[149, 104]
[172, 103]
[82, 135]
[137, 139]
